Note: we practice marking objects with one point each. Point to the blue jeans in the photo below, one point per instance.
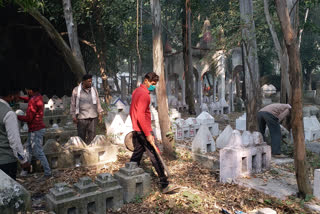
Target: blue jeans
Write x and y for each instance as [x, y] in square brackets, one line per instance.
[34, 147]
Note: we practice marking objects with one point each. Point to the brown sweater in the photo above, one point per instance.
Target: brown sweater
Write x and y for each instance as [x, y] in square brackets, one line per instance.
[278, 110]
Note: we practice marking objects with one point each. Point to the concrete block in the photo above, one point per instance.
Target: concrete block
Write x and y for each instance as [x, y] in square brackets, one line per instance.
[266, 211]
[316, 184]
[235, 140]
[247, 139]
[204, 107]
[224, 137]
[311, 128]
[181, 127]
[14, 198]
[203, 142]
[75, 142]
[239, 162]
[134, 180]
[89, 197]
[205, 118]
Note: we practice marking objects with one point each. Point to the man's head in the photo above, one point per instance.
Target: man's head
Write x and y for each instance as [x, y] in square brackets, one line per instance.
[32, 91]
[7, 94]
[87, 81]
[150, 80]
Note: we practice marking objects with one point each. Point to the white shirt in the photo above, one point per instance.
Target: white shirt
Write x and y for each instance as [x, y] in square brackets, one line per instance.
[11, 123]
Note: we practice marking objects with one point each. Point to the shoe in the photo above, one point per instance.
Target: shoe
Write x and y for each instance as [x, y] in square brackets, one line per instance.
[23, 173]
[169, 189]
[279, 156]
[45, 177]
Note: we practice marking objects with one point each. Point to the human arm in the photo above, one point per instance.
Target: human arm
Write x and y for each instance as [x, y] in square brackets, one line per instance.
[11, 124]
[73, 105]
[26, 99]
[285, 112]
[30, 114]
[143, 120]
[99, 108]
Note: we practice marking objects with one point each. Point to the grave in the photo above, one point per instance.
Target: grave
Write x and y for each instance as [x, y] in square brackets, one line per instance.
[181, 129]
[86, 196]
[223, 139]
[206, 119]
[241, 122]
[134, 181]
[116, 129]
[174, 114]
[316, 184]
[194, 126]
[203, 141]
[14, 198]
[224, 106]
[311, 111]
[311, 128]
[239, 159]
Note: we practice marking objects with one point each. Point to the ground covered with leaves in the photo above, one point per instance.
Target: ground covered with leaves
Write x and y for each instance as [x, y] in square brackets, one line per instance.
[200, 190]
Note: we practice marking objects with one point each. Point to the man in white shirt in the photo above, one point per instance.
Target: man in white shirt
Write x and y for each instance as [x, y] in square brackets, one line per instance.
[11, 148]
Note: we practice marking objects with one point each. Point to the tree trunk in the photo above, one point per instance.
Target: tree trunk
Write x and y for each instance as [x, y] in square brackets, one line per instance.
[290, 37]
[72, 31]
[252, 77]
[61, 45]
[188, 62]
[158, 68]
[139, 41]
[285, 93]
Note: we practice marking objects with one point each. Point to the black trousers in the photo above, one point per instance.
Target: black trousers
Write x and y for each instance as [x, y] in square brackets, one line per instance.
[10, 169]
[141, 145]
[87, 129]
[266, 118]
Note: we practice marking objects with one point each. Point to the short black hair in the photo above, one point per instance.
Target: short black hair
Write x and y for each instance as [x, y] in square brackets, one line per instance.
[152, 76]
[34, 89]
[86, 77]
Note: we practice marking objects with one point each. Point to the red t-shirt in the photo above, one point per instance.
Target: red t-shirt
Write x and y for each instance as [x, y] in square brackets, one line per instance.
[140, 111]
[34, 115]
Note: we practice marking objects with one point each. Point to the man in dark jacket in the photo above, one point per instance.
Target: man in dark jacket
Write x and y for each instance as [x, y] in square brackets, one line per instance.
[141, 123]
[36, 128]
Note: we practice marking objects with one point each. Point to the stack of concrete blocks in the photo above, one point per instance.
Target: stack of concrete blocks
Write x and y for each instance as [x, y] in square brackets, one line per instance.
[203, 142]
[76, 153]
[14, 198]
[316, 184]
[181, 129]
[206, 119]
[241, 122]
[86, 196]
[194, 126]
[311, 128]
[155, 123]
[134, 181]
[243, 156]
[224, 106]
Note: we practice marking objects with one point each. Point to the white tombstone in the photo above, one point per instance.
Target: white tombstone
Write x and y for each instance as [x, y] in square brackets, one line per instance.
[55, 126]
[316, 184]
[241, 122]
[194, 126]
[203, 141]
[206, 119]
[174, 114]
[235, 141]
[75, 142]
[204, 107]
[224, 106]
[247, 139]
[224, 137]
[311, 128]
[116, 126]
[182, 124]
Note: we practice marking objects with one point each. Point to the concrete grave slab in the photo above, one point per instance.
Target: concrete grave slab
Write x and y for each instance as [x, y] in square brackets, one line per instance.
[223, 139]
[194, 126]
[247, 139]
[241, 122]
[181, 129]
[203, 141]
[316, 184]
[14, 198]
[134, 180]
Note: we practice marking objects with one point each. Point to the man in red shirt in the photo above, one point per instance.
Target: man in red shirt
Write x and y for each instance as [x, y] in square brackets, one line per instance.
[36, 128]
[141, 123]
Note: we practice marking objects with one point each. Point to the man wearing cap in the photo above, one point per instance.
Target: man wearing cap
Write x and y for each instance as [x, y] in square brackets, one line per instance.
[86, 109]
[141, 123]
[271, 115]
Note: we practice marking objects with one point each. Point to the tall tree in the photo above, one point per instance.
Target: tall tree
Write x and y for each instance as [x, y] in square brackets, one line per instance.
[292, 45]
[251, 66]
[158, 68]
[72, 31]
[187, 56]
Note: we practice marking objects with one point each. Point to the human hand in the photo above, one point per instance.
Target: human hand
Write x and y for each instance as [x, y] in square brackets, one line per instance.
[75, 120]
[150, 139]
[100, 118]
